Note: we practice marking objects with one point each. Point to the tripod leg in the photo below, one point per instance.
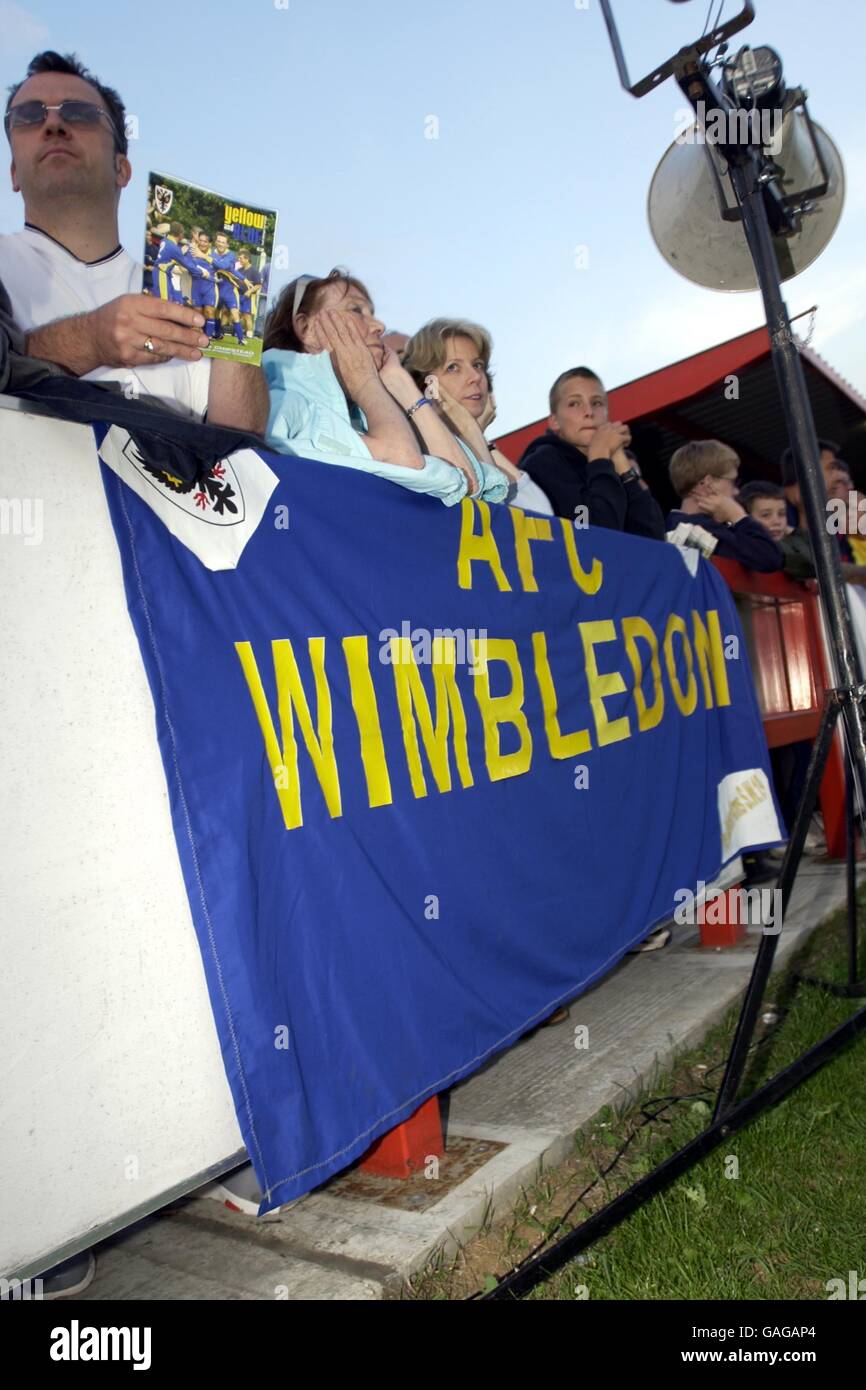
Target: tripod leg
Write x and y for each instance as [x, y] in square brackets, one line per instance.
[851, 848]
[853, 988]
[767, 950]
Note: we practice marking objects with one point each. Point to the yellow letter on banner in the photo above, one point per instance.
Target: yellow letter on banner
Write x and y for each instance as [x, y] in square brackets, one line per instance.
[687, 699]
[710, 652]
[290, 696]
[501, 709]
[648, 716]
[589, 582]
[606, 730]
[478, 547]
[367, 719]
[526, 529]
[413, 705]
[561, 745]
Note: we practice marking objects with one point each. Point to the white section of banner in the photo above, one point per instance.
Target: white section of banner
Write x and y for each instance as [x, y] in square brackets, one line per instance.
[214, 520]
[113, 1095]
[746, 811]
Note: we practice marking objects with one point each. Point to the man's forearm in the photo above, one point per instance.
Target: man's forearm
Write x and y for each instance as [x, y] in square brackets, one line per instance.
[237, 396]
[68, 342]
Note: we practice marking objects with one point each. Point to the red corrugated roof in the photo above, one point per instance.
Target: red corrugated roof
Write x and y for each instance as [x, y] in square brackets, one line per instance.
[683, 381]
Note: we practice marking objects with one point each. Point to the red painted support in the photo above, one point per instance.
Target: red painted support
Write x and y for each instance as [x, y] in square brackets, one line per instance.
[719, 919]
[406, 1149]
[786, 650]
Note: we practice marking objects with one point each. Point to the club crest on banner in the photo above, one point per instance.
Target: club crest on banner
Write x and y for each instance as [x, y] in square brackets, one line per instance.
[215, 515]
[217, 499]
[163, 197]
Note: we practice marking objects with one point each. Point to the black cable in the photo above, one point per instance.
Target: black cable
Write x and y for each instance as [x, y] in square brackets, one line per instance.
[707, 25]
[664, 1103]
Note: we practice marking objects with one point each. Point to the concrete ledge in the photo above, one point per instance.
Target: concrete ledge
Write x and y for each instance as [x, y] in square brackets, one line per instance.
[532, 1099]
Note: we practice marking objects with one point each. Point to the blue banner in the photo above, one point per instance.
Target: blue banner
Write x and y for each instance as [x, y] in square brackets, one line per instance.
[432, 772]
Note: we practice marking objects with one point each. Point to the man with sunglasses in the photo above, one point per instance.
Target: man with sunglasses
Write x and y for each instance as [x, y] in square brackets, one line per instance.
[75, 292]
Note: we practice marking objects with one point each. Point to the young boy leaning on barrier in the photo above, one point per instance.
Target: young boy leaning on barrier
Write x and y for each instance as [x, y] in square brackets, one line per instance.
[765, 503]
[704, 474]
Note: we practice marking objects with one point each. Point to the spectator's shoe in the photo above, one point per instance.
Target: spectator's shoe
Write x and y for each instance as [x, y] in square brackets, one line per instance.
[815, 841]
[240, 1191]
[759, 869]
[654, 942]
[69, 1278]
[558, 1016]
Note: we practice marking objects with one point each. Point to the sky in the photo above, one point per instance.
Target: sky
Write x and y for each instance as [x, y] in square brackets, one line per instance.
[468, 158]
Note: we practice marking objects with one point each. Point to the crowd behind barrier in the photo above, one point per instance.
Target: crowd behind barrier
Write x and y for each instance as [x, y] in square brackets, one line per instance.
[334, 388]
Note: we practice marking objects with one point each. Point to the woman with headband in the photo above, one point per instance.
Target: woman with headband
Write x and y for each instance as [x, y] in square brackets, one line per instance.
[338, 394]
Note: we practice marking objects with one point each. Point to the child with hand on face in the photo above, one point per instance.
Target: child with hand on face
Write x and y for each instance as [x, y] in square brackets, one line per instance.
[704, 473]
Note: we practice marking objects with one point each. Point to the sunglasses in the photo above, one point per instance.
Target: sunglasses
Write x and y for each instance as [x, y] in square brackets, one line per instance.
[33, 113]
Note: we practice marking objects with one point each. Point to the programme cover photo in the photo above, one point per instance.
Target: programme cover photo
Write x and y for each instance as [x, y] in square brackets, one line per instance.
[213, 254]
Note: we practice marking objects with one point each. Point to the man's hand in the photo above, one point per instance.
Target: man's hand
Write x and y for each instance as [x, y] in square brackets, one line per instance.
[114, 335]
[121, 327]
[609, 440]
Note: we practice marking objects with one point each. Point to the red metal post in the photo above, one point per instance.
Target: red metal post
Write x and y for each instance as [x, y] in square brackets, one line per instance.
[406, 1149]
[719, 919]
[790, 670]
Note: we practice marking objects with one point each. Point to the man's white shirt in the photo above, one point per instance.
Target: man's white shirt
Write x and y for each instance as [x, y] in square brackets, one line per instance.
[45, 282]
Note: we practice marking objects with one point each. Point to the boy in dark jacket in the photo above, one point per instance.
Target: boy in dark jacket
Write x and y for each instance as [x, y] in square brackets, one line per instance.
[704, 473]
[581, 464]
[765, 502]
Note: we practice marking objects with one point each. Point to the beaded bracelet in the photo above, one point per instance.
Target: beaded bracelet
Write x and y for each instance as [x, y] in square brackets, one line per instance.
[417, 406]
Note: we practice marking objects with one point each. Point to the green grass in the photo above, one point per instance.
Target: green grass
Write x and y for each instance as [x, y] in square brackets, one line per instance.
[229, 349]
[794, 1216]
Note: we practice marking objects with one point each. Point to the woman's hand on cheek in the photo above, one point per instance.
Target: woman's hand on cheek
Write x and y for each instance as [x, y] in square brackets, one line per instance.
[350, 355]
[451, 406]
[488, 415]
[392, 370]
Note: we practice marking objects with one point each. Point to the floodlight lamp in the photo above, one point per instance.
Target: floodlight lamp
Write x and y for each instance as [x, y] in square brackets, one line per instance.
[754, 77]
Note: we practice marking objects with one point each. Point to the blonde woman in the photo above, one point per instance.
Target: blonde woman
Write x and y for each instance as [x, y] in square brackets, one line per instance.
[449, 359]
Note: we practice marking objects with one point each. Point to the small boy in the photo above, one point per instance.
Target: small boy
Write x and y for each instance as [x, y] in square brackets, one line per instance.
[765, 502]
[704, 473]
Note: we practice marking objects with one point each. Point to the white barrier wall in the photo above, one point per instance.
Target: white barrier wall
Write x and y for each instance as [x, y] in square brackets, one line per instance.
[113, 1093]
